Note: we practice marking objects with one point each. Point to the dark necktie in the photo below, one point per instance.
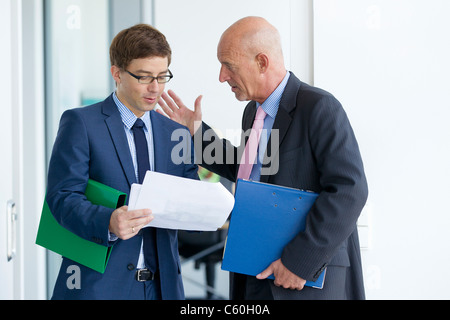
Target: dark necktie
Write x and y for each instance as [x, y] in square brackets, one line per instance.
[143, 163]
[143, 160]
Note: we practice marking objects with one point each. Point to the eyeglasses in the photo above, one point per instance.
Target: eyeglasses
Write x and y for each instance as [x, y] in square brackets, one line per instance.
[149, 79]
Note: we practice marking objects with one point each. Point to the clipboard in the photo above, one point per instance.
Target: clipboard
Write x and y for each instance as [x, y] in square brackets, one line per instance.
[54, 237]
[264, 220]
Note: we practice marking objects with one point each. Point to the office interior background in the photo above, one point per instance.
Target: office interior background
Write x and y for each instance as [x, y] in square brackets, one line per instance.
[386, 61]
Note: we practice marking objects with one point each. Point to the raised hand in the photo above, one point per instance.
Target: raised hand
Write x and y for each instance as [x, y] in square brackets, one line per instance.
[175, 109]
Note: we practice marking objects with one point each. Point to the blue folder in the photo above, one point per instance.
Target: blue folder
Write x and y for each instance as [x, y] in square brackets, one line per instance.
[264, 220]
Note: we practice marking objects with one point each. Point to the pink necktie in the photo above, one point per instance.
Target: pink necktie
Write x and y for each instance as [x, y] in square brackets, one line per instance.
[251, 148]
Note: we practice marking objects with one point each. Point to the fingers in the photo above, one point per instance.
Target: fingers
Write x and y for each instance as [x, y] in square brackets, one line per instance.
[176, 99]
[126, 224]
[175, 109]
[292, 283]
[137, 223]
[291, 286]
[163, 103]
[265, 273]
[170, 102]
[198, 104]
[283, 277]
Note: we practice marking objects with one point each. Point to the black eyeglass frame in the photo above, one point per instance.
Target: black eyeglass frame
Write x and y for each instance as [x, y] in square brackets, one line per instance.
[160, 79]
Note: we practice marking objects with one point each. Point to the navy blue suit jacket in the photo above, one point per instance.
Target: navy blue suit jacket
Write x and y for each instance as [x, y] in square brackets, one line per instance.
[91, 144]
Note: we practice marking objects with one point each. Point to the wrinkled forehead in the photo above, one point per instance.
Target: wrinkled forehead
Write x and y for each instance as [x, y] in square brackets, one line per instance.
[231, 49]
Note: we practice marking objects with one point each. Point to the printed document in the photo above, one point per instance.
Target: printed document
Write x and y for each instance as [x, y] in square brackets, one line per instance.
[181, 203]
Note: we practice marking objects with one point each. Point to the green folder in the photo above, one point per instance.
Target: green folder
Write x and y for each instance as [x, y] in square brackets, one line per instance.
[54, 237]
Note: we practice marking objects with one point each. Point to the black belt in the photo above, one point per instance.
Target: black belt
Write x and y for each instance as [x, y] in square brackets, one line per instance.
[143, 275]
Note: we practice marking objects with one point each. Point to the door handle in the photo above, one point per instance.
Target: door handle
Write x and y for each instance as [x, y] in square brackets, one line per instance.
[11, 218]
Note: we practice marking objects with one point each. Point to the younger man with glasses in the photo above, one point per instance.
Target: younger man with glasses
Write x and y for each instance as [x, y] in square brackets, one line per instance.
[115, 142]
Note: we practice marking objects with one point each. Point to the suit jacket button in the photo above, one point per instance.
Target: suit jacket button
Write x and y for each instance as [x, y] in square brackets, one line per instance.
[130, 266]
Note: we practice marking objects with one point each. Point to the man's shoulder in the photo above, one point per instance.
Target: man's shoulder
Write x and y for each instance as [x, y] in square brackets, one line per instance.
[92, 110]
[313, 92]
[311, 98]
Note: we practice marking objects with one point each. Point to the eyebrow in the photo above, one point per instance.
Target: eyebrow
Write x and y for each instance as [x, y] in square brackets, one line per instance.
[151, 73]
[226, 64]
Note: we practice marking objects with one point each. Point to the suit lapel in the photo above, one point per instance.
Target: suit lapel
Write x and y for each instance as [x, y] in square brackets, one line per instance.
[250, 117]
[160, 148]
[116, 130]
[115, 127]
[282, 122]
[288, 104]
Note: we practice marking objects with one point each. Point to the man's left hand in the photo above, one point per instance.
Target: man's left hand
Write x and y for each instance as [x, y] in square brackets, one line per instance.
[283, 277]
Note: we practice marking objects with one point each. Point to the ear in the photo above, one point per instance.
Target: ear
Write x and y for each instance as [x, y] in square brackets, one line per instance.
[263, 62]
[115, 72]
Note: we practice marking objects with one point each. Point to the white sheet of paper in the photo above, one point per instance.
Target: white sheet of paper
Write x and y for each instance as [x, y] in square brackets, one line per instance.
[181, 203]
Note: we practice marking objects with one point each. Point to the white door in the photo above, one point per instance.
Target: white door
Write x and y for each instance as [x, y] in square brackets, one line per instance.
[7, 205]
[8, 92]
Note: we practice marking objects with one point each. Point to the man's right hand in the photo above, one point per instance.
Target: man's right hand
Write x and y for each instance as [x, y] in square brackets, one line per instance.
[175, 109]
[126, 224]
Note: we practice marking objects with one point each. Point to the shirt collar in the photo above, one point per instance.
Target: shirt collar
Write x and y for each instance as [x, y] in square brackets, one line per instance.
[271, 104]
[128, 117]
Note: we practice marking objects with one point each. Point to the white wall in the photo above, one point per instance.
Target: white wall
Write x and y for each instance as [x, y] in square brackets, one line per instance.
[388, 63]
[193, 29]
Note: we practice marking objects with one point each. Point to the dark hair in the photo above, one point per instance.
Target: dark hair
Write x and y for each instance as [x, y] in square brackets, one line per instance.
[139, 41]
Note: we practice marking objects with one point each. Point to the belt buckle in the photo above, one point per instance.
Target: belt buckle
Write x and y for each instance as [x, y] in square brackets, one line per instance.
[143, 275]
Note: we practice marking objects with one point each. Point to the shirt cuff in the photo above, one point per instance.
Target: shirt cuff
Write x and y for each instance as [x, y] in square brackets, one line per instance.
[112, 237]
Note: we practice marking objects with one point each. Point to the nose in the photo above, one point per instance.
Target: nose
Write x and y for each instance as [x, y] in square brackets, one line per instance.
[223, 75]
[153, 86]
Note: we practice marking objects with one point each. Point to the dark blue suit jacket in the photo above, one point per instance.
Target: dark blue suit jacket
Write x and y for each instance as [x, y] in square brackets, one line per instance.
[91, 144]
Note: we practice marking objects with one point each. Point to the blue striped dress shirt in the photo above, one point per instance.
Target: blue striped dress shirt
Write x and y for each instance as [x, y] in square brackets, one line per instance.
[128, 119]
[270, 106]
